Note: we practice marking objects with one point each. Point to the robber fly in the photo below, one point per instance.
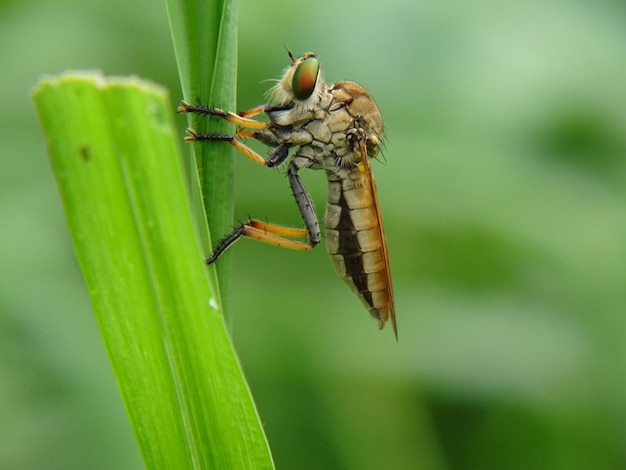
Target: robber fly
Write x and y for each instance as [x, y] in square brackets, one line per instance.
[332, 128]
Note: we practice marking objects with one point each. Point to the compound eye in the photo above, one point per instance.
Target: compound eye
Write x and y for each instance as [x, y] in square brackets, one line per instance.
[305, 78]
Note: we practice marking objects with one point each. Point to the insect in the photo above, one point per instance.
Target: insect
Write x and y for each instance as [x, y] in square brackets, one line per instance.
[334, 128]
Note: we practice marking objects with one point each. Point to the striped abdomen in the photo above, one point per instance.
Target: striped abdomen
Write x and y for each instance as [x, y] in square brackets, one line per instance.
[355, 241]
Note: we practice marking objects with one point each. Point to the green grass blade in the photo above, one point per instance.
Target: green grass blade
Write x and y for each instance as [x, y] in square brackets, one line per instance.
[204, 33]
[114, 151]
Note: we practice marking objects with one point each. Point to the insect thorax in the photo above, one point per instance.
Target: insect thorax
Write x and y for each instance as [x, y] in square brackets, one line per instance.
[328, 133]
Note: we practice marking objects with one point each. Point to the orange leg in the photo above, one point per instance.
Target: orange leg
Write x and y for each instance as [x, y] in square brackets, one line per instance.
[278, 155]
[252, 112]
[265, 232]
[269, 233]
[194, 136]
[241, 119]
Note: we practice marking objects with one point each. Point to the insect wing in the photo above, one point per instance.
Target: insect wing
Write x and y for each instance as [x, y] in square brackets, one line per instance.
[389, 286]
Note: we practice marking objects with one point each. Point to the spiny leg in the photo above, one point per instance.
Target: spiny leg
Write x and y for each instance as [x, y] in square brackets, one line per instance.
[217, 112]
[278, 155]
[277, 234]
[265, 232]
[241, 119]
[269, 233]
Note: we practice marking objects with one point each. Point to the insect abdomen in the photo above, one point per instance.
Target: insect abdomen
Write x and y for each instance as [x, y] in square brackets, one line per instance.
[353, 239]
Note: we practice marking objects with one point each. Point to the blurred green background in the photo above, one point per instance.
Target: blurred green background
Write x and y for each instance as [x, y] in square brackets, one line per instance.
[504, 199]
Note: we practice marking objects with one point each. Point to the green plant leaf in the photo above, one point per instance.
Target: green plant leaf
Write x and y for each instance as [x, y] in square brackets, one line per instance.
[114, 152]
[204, 33]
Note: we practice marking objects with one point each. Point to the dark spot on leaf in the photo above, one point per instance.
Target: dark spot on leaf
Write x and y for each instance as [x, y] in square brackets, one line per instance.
[84, 152]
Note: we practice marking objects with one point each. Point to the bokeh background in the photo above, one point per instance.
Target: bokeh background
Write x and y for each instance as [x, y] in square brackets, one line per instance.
[504, 196]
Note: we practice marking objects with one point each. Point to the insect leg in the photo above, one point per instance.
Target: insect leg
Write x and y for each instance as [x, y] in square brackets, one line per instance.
[262, 231]
[305, 204]
[276, 157]
[241, 119]
[276, 234]
[269, 233]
